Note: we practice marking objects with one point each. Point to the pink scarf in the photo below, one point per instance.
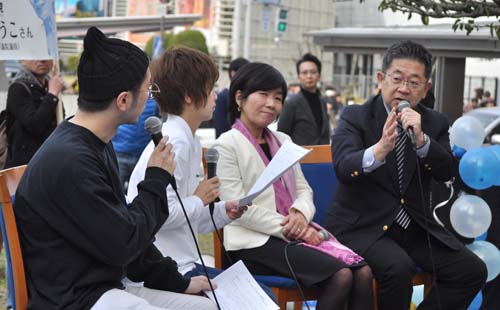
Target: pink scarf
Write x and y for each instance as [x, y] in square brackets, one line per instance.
[285, 195]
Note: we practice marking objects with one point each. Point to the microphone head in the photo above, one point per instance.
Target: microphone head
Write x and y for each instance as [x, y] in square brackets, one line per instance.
[403, 104]
[152, 125]
[211, 155]
[324, 234]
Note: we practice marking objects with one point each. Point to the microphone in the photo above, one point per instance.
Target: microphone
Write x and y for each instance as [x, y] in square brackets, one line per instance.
[153, 126]
[324, 235]
[211, 158]
[403, 104]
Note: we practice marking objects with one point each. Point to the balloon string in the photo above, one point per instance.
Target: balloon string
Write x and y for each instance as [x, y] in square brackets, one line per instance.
[449, 184]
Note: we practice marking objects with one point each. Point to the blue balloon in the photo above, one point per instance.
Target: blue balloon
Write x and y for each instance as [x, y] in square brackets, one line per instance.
[458, 151]
[477, 302]
[495, 149]
[482, 237]
[489, 254]
[479, 168]
[418, 295]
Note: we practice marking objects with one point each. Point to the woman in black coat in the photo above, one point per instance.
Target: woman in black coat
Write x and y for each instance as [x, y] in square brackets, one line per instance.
[31, 104]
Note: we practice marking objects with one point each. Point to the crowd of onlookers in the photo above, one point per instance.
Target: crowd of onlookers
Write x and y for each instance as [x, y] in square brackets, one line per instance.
[481, 99]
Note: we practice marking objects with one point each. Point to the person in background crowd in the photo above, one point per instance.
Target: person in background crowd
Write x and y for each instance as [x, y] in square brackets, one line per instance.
[471, 105]
[131, 139]
[33, 109]
[479, 94]
[79, 237]
[487, 100]
[282, 213]
[304, 117]
[221, 116]
[387, 223]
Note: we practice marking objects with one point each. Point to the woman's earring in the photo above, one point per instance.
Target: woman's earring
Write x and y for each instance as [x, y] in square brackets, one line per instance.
[239, 108]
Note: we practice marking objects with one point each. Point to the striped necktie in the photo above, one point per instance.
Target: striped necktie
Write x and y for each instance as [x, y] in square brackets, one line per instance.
[402, 217]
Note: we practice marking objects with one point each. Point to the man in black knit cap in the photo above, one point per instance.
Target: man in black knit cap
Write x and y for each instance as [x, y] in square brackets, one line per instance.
[79, 237]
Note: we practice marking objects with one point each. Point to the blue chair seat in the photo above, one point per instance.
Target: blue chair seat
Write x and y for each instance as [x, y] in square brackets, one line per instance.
[276, 281]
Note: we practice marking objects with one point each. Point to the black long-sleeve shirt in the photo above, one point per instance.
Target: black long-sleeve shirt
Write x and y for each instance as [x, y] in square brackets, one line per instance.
[78, 236]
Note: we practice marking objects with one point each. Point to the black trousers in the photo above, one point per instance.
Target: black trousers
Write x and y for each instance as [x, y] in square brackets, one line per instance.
[459, 273]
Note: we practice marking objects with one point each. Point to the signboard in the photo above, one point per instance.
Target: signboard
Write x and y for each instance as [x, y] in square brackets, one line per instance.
[80, 8]
[27, 29]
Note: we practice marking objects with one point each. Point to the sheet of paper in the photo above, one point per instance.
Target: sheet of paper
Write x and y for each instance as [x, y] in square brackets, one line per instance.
[237, 289]
[287, 156]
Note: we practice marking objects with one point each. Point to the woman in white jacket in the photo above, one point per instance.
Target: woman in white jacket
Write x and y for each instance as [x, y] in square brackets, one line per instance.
[284, 211]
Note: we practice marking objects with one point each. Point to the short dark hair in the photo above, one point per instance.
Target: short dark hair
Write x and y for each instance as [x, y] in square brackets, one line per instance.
[97, 106]
[250, 78]
[408, 50]
[236, 64]
[309, 57]
[182, 72]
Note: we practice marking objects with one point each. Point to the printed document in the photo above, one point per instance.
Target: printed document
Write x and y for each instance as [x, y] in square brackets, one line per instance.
[287, 156]
[237, 289]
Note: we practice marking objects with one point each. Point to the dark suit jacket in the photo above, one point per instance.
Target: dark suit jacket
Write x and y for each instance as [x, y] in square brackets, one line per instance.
[365, 205]
[297, 121]
[221, 114]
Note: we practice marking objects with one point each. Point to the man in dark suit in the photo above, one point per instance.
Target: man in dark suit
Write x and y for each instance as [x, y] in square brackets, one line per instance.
[221, 114]
[380, 208]
[304, 117]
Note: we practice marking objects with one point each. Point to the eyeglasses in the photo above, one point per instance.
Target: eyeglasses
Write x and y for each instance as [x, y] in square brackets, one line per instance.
[398, 79]
[153, 89]
[307, 72]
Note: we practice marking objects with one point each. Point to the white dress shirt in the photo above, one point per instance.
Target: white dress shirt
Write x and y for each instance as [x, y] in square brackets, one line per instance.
[174, 238]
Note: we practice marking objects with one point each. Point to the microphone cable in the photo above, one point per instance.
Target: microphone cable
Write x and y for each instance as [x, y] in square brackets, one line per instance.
[428, 235]
[196, 244]
[302, 295]
[221, 242]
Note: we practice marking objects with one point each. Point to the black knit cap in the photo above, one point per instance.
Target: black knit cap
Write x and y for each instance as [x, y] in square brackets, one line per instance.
[109, 66]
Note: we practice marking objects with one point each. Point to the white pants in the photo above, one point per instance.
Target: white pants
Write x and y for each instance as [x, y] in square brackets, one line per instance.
[141, 298]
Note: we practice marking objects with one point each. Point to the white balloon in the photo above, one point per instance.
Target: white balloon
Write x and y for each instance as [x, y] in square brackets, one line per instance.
[470, 216]
[467, 132]
[489, 254]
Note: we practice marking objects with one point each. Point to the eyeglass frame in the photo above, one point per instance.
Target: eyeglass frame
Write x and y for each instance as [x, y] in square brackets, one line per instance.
[309, 72]
[409, 83]
[153, 88]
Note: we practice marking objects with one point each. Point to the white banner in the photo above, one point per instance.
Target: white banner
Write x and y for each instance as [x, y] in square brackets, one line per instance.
[27, 29]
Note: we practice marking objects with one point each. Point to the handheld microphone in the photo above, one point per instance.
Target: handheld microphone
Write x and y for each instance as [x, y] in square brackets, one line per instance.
[403, 104]
[211, 158]
[153, 126]
[324, 234]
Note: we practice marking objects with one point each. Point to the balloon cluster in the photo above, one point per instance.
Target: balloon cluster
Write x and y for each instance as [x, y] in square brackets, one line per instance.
[479, 169]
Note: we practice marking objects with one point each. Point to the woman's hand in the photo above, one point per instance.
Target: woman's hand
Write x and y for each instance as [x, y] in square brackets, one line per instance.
[233, 211]
[312, 236]
[199, 284]
[208, 190]
[294, 225]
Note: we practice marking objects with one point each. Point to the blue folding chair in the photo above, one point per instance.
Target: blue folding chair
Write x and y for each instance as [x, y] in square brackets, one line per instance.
[318, 170]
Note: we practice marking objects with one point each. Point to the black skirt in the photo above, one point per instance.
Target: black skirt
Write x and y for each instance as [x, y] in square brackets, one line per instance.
[309, 265]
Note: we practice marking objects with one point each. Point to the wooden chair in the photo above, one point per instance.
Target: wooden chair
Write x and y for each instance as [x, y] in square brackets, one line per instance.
[9, 179]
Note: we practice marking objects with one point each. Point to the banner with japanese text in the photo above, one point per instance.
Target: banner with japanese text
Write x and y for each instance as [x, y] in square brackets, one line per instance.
[27, 29]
